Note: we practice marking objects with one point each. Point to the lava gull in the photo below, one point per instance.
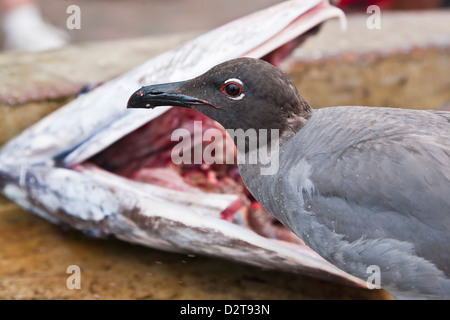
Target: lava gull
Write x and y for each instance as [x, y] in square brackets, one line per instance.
[368, 188]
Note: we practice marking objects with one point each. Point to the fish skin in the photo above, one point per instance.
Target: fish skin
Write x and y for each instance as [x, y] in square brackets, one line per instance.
[41, 169]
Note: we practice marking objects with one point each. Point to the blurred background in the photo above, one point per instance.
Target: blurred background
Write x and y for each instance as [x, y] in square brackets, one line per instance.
[41, 24]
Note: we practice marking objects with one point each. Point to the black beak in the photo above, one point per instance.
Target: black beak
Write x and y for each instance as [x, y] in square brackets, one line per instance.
[168, 94]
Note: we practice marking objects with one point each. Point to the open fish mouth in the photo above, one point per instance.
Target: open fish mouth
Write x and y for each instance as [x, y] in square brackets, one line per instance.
[95, 166]
[146, 156]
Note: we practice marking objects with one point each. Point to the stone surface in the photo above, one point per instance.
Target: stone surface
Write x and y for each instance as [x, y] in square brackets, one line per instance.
[35, 256]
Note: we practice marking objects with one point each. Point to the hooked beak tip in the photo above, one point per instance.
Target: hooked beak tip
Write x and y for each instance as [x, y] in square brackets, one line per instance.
[138, 100]
[152, 96]
[168, 94]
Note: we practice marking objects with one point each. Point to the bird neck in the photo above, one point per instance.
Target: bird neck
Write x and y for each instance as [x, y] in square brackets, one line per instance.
[295, 121]
[262, 147]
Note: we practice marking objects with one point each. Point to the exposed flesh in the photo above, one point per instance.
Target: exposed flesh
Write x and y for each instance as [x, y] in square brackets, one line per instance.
[145, 155]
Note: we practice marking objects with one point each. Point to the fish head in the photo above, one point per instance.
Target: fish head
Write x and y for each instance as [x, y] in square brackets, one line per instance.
[95, 166]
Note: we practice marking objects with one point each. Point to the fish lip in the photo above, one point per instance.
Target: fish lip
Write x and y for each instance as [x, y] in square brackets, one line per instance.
[167, 94]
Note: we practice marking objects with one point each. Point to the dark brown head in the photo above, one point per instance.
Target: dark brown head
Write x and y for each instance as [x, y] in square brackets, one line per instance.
[243, 93]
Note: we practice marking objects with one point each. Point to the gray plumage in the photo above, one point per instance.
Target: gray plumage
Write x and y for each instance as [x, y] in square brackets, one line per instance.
[369, 186]
[361, 186]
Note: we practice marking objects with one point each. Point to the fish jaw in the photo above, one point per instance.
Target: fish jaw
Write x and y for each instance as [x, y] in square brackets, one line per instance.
[44, 169]
[101, 204]
[99, 118]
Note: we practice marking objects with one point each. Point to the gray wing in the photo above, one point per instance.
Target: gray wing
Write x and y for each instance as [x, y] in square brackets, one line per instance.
[408, 175]
[387, 164]
[378, 174]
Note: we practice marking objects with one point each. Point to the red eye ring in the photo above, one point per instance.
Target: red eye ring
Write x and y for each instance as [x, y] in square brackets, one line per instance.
[231, 89]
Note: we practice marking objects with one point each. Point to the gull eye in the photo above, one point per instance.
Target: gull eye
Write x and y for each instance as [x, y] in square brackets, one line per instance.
[232, 89]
